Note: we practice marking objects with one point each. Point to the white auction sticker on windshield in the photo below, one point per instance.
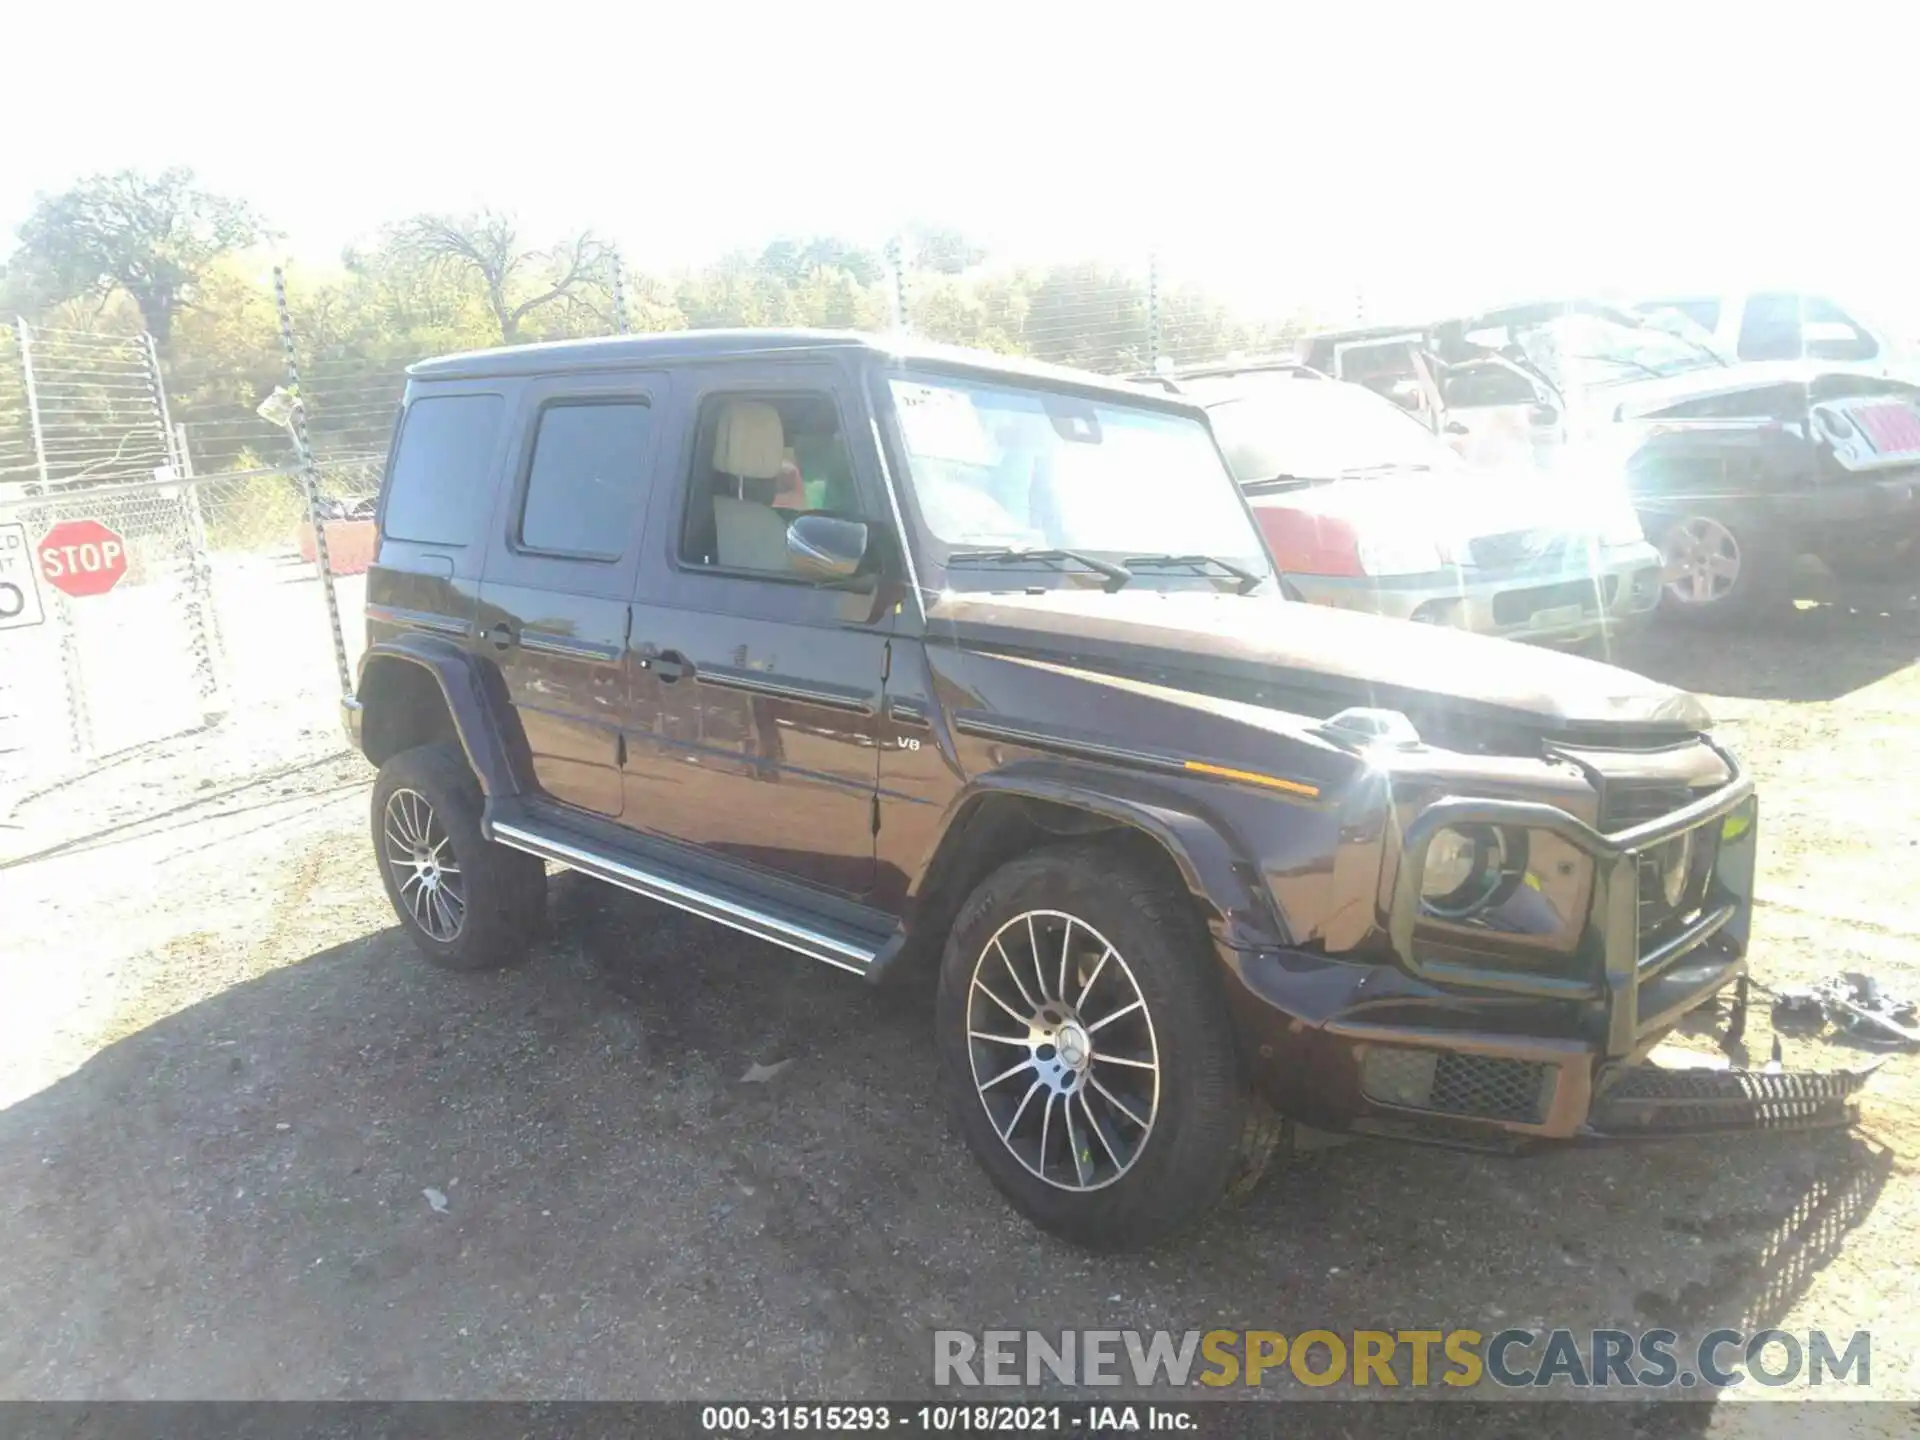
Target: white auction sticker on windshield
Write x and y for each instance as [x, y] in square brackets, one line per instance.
[942, 424]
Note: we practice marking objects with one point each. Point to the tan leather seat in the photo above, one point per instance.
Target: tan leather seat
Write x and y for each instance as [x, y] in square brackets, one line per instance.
[750, 444]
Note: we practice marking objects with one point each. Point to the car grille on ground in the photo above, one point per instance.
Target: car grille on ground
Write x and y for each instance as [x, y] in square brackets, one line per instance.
[1647, 1098]
[1513, 607]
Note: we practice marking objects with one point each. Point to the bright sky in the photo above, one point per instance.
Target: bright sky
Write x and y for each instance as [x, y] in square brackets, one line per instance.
[1278, 152]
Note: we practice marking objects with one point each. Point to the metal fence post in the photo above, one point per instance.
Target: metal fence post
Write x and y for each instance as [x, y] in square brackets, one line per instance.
[191, 552]
[310, 481]
[619, 293]
[1153, 308]
[79, 716]
[897, 283]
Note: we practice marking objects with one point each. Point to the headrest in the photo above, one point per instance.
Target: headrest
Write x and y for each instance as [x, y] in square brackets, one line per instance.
[750, 442]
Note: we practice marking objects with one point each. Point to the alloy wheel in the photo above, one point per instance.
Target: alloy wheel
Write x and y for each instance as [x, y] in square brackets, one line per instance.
[426, 871]
[1702, 561]
[1063, 1051]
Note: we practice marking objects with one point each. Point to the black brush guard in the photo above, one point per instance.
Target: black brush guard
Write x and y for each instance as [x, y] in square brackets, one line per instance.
[1638, 995]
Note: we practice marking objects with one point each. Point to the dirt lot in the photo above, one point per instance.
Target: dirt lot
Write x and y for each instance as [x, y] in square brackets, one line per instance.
[227, 1082]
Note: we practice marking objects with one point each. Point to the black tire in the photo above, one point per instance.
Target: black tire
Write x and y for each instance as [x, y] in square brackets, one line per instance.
[1200, 1138]
[1884, 567]
[1759, 589]
[503, 892]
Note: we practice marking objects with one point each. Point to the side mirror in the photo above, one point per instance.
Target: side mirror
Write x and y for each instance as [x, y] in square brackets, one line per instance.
[824, 547]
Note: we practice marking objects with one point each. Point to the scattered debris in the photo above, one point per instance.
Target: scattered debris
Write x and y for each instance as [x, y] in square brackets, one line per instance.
[1853, 1003]
[437, 1200]
[758, 1074]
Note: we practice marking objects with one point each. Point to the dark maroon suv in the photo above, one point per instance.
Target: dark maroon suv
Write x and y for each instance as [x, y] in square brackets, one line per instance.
[948, 669]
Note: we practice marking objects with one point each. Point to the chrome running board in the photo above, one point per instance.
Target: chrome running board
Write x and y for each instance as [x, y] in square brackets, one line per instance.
[736, 910]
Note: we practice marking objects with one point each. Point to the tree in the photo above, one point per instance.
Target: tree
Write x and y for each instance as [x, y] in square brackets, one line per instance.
[154, 237]
[518, 281]
[941, 249]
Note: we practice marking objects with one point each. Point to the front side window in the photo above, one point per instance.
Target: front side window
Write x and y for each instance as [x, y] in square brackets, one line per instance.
[1026, 468]
[761, 461]
[587, 481]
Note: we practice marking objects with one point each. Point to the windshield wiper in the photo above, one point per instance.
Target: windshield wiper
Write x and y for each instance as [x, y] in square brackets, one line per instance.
[1117, 575]
[1284, 482]
[1246, 580]
[1385, 467]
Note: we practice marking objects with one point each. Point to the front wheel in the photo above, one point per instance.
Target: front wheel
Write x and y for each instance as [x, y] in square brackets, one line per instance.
[1087, 1049]
[468, 904]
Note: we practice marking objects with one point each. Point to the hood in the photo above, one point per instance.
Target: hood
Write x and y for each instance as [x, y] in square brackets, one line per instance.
[1635, 398]
[1313, 660]
[1461, 504]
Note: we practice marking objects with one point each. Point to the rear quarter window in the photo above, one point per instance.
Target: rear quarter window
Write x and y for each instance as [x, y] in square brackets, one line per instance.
[437, 486]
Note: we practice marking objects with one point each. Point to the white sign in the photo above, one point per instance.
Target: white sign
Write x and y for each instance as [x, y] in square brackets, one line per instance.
[19, 580]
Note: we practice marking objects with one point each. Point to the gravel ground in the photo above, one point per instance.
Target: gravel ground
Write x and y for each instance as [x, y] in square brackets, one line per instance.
[228, 1083]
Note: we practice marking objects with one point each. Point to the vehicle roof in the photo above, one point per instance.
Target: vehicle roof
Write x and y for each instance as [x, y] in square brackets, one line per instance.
[1172, 380]
[1365, 332]
[673, 347]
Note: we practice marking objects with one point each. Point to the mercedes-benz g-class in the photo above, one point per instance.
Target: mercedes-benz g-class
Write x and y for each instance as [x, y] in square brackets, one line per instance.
[933, 664]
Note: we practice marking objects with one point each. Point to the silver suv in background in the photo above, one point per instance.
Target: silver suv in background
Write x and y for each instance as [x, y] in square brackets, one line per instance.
[1364, 508]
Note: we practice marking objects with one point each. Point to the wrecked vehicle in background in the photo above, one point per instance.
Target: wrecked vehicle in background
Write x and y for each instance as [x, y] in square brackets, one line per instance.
[1736, 469]
[1364, 509]
[1786, 325]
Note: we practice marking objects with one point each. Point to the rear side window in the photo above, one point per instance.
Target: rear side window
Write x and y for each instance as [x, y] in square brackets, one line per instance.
[437, 488]
[588, 479]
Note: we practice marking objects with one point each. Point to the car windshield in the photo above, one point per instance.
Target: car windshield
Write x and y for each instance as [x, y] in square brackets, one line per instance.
[1017, 468]
[1585, 350]
[1321, 430]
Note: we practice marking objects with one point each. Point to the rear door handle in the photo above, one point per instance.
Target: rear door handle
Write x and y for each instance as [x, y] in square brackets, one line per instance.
[501, 637]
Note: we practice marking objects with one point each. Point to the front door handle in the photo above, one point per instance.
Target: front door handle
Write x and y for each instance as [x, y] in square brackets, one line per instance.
[670, 665]
[501, 637]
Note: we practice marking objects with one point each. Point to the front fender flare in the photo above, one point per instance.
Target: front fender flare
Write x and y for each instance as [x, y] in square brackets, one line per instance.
[1240, 910]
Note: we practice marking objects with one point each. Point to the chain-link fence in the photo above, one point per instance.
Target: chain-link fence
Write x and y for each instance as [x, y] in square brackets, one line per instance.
[157, 574]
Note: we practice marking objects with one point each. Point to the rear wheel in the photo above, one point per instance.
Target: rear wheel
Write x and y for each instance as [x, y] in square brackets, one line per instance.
[1087, 1048]
[1721, 571]
[468, 904]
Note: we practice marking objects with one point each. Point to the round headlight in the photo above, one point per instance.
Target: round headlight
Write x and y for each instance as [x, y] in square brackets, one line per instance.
[1466, 866]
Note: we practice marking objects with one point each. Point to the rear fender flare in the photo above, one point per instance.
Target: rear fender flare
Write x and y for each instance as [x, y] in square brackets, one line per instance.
[476, 701]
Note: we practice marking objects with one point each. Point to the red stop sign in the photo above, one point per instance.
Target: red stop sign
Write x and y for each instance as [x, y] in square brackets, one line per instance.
[82, 557]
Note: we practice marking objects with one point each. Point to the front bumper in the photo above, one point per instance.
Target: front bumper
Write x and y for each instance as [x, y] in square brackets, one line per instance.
[351, 712]
[1605, 592]
[1447, 1050]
